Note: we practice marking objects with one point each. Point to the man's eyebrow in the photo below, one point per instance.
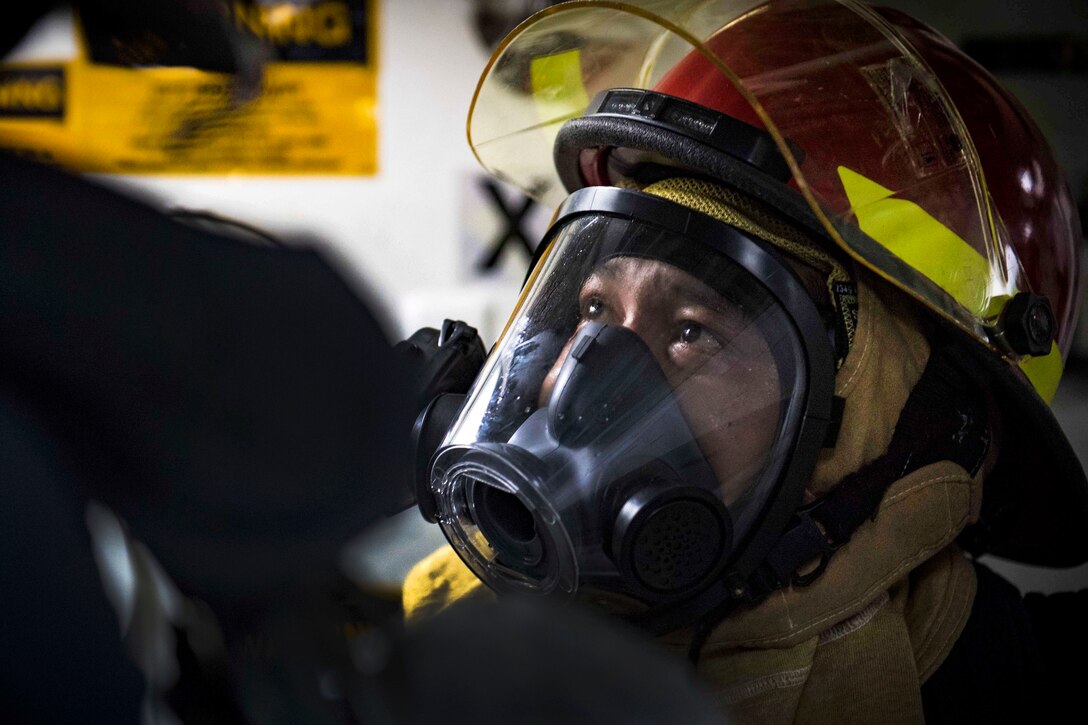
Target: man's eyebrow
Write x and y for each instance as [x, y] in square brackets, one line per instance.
[705, 297]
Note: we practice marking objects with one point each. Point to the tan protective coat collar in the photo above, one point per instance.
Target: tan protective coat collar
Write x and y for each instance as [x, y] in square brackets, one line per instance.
[856, 645]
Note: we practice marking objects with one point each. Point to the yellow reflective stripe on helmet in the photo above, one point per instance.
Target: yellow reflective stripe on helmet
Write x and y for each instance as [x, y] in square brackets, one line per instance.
[1044, 372]
[910, 233]
[558, 89]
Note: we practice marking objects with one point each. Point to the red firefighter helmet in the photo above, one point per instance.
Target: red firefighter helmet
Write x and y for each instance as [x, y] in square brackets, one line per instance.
[863, 125]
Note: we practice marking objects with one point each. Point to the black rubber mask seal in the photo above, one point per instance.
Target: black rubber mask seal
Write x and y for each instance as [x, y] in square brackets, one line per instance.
[769, 269]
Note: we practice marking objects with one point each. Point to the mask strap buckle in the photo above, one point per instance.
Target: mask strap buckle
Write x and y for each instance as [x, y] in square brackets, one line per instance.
[805, 540]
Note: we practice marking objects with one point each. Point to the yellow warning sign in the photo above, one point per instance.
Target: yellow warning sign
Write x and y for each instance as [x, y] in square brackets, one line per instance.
[316, 113]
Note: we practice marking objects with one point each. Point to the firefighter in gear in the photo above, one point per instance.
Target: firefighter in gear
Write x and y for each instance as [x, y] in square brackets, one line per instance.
[783, 364]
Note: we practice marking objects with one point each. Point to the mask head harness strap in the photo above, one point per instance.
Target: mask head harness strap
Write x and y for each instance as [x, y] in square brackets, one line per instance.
[945, 419]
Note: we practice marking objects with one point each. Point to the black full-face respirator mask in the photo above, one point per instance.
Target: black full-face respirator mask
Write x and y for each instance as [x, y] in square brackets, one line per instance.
[642, 432]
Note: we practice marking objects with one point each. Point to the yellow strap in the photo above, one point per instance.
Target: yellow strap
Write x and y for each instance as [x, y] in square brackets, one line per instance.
[558, 89]
[910, 233]
[1044, 372]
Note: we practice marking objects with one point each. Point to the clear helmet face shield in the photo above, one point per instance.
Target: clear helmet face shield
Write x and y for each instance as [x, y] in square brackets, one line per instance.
[863, 141]
[648, 418]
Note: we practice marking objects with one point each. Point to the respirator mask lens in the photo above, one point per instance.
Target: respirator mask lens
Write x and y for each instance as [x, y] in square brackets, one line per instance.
[632, 425]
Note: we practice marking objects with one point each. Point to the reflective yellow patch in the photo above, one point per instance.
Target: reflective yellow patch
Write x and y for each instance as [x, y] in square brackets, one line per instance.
[558, 89]
[910, 233]
[1044, 372]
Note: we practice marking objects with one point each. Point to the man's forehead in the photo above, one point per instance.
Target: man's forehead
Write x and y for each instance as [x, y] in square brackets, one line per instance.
[661, 277]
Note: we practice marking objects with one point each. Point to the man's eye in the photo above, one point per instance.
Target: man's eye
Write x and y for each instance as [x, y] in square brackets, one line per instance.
[594, 307]
[694, 338]
[691, 332]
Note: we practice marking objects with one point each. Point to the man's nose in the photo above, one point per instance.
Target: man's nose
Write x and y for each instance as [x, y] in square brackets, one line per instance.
[651, 332]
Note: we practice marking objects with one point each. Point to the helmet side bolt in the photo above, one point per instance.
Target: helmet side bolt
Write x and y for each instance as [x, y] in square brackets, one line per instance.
[1029, 324]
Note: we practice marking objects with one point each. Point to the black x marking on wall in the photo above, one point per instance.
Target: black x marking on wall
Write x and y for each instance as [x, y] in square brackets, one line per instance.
[512, 229]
